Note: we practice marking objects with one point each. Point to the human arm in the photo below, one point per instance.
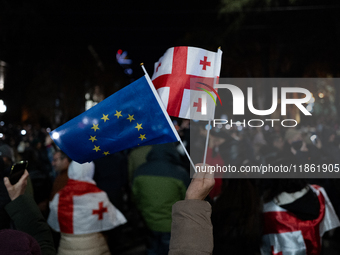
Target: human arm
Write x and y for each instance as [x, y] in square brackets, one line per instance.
[26, 215]
[191, 230]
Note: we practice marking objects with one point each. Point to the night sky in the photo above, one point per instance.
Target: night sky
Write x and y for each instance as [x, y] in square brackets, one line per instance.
[45, 44]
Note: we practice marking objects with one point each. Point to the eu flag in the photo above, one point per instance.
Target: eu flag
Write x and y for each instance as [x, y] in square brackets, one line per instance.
[131, 117]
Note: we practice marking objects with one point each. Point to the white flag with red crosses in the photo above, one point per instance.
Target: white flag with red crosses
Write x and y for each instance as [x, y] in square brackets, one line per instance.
[286, 234]
[82, 208]
[173, 78]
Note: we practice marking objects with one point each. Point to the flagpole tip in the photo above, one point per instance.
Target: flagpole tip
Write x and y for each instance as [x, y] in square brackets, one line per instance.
[141, 64]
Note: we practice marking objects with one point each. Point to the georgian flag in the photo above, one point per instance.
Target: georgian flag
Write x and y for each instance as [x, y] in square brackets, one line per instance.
[81, 207]
[285, 234]
[180, 94]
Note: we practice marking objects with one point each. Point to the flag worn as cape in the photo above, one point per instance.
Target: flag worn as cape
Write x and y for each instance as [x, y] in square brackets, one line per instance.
[81, 207]
[285, 234]
[133, 116]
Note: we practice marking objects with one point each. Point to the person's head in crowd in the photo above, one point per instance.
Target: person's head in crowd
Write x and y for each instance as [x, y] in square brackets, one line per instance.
[236, 218]
[293, 138]
[18, 242]
[6, 155]
[271, 188]
[277, 142]
[60, 161]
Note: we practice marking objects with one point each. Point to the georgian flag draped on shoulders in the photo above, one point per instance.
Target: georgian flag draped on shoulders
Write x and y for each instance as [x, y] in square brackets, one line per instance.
[285, 234]
[81, 207]
[173, 75]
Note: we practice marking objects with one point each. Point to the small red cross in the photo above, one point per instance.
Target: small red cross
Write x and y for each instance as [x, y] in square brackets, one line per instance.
[279, 253]
[198, 105]
[205, 63]
[158, 66]
[100, 211]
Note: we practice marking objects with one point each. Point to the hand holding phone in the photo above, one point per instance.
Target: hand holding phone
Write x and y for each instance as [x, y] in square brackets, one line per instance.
[17, 189]
[17, 171]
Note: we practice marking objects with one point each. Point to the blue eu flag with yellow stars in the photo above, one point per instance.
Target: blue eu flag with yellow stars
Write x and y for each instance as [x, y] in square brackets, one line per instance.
[133, 116]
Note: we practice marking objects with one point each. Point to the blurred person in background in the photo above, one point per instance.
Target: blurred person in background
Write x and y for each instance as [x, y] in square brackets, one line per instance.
[6, 161]
[157, 185]
[81, 212]
[60, 165]
[237, 218]
[32, 234]
[296, 216]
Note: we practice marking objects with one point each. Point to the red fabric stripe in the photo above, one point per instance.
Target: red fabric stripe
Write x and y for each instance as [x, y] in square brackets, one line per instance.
[178, 80]
[282, 222]
[65, 205]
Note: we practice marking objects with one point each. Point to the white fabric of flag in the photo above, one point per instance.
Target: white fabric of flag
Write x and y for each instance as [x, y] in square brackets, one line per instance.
[173, 75]
[81, 207]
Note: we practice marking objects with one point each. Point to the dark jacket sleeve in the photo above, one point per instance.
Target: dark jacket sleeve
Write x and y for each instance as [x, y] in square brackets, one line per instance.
[27, 218]
[191, 230]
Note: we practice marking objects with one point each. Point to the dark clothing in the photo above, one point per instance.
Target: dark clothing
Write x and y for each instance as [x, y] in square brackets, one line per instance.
[158, 184]
[27, 218]
[16, 242]
[306, 207]
[111, 175]
[59, 183]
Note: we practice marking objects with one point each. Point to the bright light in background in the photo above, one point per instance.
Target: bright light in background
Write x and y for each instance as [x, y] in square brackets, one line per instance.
[1, 135]
[266, 127]
[313, 137]
[224, 117]
[208, 127]
[89, 104]
[85, 121]
[23, 132]
[55, 135]
[219, 125]
[48, 130]
[227, 126]
[2, 123]
[87, 96]
[239, 128]
[2, 74]
[321, 95]
[238, 123]
[310, 107]
[312, 100]
[3, 107]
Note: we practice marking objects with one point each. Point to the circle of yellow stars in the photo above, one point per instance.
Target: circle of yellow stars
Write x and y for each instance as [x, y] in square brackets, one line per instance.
[105, 118]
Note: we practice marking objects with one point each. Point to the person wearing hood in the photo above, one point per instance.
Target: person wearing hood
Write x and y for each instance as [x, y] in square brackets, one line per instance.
[81, 211]
[157, 185]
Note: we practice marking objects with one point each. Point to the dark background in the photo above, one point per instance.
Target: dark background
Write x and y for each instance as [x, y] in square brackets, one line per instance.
[49, 67]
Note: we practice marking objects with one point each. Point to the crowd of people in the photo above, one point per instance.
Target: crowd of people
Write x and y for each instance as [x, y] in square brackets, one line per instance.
[144, 195]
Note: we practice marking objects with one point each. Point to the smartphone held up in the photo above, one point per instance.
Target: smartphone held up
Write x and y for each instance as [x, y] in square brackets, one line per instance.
[17, 171]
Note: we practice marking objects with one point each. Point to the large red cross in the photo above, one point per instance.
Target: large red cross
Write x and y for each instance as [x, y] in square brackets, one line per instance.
[205, 63]
[198, 105]
[73, 188]
[100, 211]
[178, 80]
[285, 221]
